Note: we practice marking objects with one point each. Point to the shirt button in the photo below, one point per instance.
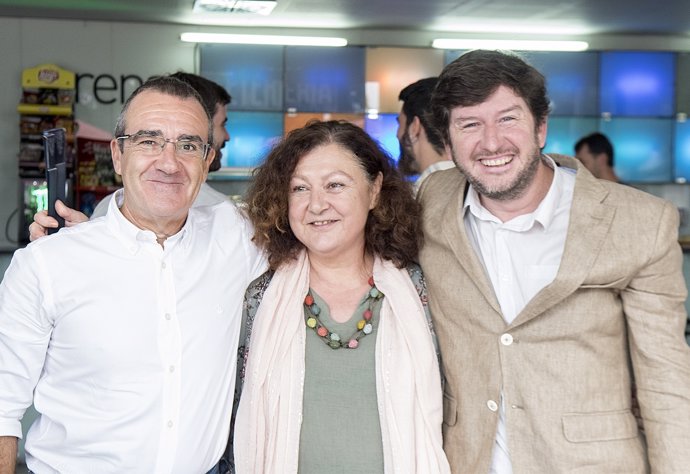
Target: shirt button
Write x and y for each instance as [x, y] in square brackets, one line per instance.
[170, 424]
[163, 265]
[171, 368]
[493, 406]
[167, 316]
[506, 339]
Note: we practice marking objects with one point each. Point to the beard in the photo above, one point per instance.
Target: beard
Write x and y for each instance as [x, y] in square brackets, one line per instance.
[507, 191]
[407, 164]
[215, 164]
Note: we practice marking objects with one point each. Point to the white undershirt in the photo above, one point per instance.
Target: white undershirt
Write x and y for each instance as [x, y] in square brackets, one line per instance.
[521, 257]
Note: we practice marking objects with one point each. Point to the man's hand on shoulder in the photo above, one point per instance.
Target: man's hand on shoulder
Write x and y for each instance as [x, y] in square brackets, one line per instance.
[42, 221]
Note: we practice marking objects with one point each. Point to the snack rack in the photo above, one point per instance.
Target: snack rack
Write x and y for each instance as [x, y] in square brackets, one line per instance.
[47, 101]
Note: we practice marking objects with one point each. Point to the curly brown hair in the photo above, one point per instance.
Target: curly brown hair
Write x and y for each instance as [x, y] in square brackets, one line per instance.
[392, 231]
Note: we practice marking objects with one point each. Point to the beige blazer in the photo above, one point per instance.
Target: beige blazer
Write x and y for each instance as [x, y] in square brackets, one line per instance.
[614, 313]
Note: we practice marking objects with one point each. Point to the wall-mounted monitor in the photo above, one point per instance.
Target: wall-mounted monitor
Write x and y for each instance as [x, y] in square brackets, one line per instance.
[571, 81]
[682, 152]
[637, 84]
[564, 132]
[324, 79]
[384, 129]
[642, 148]
[252, 134]
[253, 75]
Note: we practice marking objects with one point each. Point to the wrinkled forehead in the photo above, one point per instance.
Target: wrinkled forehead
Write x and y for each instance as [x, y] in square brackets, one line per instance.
[153, 110]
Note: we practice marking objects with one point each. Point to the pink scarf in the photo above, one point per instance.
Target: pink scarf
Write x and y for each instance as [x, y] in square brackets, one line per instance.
[408, 383]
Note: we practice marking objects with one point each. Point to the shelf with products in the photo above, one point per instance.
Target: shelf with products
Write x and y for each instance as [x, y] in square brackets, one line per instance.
[47, 102]
[95, 176]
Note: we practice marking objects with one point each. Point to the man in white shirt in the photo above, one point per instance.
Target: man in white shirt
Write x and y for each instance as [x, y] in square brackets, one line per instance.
[124, 330]
[421, 147]
[551, 291]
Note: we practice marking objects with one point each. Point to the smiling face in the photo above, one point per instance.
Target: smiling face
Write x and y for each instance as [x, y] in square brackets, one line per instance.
[159, 190]
[497, 144]
[330, 197]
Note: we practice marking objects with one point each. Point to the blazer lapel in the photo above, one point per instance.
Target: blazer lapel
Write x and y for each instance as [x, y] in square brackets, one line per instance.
[590, 220]
[453, 230]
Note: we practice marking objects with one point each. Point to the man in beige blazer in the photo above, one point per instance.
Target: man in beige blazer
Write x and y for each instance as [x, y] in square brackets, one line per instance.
[551, 291]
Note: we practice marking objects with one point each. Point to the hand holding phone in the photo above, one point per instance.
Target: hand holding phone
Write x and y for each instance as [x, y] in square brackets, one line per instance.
[56, 173]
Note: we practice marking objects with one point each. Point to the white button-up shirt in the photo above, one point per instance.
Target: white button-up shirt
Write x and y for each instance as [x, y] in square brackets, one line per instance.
[131, 347]
[521, 256]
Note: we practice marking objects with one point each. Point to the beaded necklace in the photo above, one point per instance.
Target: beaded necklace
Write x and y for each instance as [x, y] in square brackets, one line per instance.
[332, 339]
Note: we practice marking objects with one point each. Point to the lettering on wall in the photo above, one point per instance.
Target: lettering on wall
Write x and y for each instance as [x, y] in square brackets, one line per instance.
[106, 88]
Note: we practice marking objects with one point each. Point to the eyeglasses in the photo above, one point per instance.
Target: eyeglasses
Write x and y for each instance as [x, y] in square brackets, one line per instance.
[153, 145]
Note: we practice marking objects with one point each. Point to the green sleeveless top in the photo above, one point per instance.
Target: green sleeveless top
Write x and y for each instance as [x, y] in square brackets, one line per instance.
[341, 432]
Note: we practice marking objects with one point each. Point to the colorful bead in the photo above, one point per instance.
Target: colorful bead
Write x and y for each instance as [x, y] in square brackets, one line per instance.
[364, 326]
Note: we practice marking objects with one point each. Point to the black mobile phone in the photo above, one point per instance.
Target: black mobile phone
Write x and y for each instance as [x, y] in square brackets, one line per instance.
[56, 174]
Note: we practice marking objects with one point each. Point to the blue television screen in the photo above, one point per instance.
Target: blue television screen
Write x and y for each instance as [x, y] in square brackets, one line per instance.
[637, 83]
[253, 75]
[252, 134]
[384, 129]
[642, 148]
[682, 152]
[571, 81]
[324, 79]
[564, 132]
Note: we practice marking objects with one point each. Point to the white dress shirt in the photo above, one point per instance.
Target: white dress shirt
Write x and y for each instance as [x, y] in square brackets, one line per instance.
[521, 256]
[131, 348]
[207, 197]
[438, 166]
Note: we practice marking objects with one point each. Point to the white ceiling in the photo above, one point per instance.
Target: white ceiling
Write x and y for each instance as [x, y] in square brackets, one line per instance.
[666, 22]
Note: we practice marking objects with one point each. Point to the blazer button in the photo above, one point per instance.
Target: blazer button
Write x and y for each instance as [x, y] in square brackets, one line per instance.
[493, 406]
[506, 339]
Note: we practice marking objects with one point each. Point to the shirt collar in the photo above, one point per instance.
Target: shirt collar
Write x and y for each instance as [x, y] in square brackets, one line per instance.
[133, 237]
[543, 214]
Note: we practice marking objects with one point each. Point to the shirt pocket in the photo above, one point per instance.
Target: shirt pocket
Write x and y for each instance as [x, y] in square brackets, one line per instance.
[601, 426]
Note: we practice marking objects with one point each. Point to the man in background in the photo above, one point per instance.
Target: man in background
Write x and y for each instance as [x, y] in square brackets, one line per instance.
[124, 330]
[596, 153]
[421, 148]
[551, 291]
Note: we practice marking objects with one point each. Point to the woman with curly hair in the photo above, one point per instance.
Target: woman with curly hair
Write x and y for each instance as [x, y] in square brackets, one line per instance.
[342, 374]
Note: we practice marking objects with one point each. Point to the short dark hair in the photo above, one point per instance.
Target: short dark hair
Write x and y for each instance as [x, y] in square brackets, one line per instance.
[165, 85]
[416, 99]
[212, 94]
[392, 230]
[597, 143]
[474, 76]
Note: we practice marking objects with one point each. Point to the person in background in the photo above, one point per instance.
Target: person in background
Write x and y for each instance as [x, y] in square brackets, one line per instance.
[342, 373]
[421, 148]
[216, 100]
[596, 153]
[124, 330]
[551, 291]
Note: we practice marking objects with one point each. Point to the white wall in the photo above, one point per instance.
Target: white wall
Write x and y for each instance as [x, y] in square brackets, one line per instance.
[83, 47]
